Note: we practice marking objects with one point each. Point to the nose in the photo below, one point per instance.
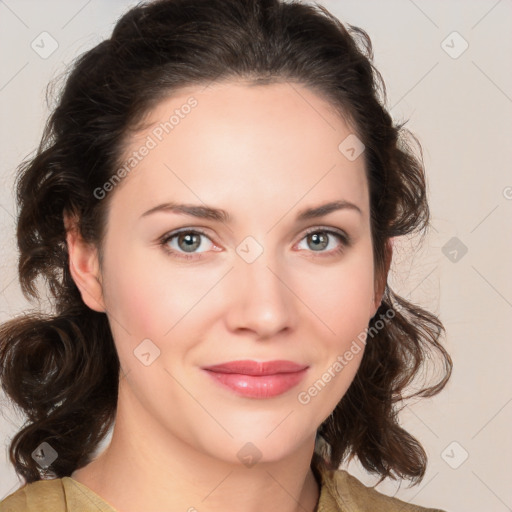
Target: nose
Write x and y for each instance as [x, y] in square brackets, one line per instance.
[260, 298]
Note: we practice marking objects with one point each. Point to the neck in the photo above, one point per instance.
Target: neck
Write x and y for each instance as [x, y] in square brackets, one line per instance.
[157, 471]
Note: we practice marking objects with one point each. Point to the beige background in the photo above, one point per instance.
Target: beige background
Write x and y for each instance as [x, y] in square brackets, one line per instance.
[460, 107]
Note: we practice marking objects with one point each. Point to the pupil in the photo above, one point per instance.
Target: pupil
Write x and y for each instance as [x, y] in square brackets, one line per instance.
[320, 238]
[189, 241]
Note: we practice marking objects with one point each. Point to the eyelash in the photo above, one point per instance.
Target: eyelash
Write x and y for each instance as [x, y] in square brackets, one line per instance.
[164, 241]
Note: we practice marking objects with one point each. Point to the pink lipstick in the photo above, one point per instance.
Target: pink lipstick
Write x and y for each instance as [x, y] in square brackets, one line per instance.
[255, 379]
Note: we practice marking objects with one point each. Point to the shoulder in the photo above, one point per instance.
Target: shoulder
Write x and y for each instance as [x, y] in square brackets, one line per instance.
[36, 496]
[57, 495]
[345, 493]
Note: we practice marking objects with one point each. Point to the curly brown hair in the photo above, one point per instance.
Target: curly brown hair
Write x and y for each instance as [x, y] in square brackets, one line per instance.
[61, 369]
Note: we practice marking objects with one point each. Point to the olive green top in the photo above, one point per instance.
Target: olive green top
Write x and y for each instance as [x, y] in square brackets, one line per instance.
[339, 492]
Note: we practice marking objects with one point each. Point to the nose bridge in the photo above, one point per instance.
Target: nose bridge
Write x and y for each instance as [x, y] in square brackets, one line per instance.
[261, 300]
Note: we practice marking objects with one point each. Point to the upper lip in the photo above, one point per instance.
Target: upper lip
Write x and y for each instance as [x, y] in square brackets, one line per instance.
[248, 367]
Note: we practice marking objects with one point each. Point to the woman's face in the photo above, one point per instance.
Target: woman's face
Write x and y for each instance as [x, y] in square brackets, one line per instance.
[252, 287]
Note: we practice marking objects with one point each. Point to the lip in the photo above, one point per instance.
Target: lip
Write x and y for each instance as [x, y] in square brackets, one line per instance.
[257, 379]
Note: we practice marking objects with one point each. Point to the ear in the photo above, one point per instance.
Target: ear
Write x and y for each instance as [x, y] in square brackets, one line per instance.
[381, 280]
[84, 265]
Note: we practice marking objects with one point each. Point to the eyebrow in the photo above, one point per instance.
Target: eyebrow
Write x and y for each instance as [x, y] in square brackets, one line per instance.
[218, 214]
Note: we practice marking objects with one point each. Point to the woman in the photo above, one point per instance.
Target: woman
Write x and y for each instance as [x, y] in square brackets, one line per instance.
[213, 206]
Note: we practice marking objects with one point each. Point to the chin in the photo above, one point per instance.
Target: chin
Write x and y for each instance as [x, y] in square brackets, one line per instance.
[256, 447]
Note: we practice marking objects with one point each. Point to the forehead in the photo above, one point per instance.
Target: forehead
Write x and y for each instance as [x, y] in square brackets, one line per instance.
[234, 142]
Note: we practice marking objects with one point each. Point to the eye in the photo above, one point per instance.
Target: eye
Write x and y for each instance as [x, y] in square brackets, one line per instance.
[184, 243]
[320, 238]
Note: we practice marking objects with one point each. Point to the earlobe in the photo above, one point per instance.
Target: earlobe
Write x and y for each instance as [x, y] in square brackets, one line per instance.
[84, 266]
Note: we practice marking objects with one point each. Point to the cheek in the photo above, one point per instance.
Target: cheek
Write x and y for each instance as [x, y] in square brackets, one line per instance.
[147, 298]
[341, 302]
[132, 299]
[341, 296]
[343, 312]
[139, 295]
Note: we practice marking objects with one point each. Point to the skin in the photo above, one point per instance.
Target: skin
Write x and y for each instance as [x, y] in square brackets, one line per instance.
[263, 153]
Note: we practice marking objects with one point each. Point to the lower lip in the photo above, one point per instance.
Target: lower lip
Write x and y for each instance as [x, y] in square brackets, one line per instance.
[264, 386]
